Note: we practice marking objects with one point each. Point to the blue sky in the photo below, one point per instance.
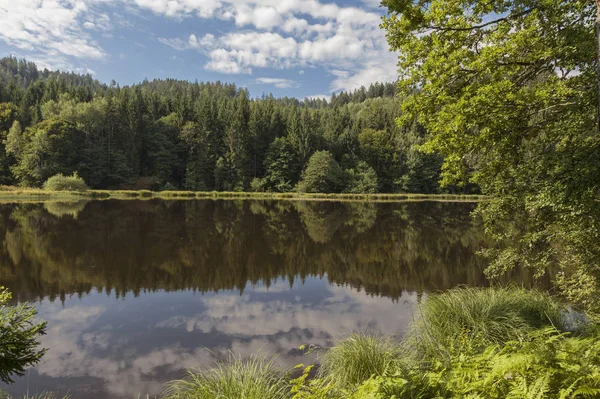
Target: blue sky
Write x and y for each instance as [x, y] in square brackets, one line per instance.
[298, 48]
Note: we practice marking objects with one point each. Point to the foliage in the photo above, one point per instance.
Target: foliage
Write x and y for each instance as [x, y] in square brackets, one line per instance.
[507, 91]
[19, 337]
[467, 319]
[258, 185]
[322, 175]
[355, 359]
[489, 352]
[192, 136]
[363, 179]
[60, 182]
[545, 364]
[252, 378]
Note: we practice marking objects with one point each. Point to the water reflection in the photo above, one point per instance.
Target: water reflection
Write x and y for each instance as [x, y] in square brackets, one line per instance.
[57, 250]
[135, 291]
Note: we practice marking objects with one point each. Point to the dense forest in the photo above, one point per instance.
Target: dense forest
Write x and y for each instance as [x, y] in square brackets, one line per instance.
[171, 134]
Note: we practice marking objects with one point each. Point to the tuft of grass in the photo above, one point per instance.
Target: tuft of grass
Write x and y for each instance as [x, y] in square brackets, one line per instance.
[252, 378]
[468, 319]
[357, 358]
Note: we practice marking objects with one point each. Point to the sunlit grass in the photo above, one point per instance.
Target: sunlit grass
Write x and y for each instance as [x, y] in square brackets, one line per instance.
[9, 192]
[251, 378]
[464, 319]
[358, 357]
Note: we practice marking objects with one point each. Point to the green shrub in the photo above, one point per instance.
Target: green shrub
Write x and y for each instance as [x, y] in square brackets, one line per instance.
[357, 358]
[19, 335]
[60, 182]
[252, 378]
[362, 179]
[258, 185]
[322, 175]
[545, 364]
[465, 319]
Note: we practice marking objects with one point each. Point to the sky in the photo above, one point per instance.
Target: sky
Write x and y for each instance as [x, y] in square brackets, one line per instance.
[299, 48]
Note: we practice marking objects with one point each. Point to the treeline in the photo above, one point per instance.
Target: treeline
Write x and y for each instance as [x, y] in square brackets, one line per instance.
[170, 134]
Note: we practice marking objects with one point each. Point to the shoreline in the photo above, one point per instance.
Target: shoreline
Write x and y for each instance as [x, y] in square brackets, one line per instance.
[39, 194]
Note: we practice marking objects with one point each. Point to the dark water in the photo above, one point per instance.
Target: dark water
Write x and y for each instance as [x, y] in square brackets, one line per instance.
[134, 292]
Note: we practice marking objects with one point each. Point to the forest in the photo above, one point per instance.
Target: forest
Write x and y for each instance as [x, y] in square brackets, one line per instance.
[171, 134]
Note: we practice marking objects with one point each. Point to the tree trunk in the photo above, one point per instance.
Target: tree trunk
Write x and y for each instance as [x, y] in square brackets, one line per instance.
[598, 60]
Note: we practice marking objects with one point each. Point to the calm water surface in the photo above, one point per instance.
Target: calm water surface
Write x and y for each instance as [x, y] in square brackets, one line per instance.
[135, 292]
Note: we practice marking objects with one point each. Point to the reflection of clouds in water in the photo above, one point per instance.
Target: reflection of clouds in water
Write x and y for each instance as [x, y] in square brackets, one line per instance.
[346, 310]
[267, 321]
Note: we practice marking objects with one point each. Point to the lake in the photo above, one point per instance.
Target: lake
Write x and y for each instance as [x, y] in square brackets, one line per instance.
[135, 292]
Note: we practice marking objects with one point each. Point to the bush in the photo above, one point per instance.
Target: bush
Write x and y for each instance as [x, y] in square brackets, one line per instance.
[258, 185]
[545, 364]
[357, 358]
[361, 180]
[19, 337]
[60, 182]
[465, 319]
[322, 175]
[252, 378]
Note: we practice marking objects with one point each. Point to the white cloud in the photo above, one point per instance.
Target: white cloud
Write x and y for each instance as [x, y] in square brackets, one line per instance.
[53, 28]
[202, 8]
[346, 39]
[372, 3]
[278, 82]
[278, 34]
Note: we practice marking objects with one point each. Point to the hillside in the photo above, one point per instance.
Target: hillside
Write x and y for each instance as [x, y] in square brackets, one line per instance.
[204, 136]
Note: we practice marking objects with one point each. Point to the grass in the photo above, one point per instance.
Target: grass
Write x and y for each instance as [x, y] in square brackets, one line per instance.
[484, 332]
[43, 395]
[357, 358]
[467, 319]
[252, 378]
[10, 192]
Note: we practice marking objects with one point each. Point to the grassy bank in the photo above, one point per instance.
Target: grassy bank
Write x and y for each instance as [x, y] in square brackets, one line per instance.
[10, 193]
[466, 343]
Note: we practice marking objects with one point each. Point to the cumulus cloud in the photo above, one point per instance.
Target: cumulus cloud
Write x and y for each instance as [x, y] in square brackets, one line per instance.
[278, 82]
[346, 39]
[54, 28]
[280, 34]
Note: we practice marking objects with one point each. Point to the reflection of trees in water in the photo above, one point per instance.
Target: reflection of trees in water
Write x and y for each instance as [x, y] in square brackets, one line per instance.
[217, 245]
[61, 208]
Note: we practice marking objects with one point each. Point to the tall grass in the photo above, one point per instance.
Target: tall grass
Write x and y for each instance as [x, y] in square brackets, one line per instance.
[252, 378]
[468, 319]
[357, 358]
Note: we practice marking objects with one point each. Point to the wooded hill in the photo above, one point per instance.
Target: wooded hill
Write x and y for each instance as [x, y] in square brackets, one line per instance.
[172, 134]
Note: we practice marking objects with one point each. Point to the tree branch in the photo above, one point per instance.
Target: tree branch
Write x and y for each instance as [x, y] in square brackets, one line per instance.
[507, 18]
